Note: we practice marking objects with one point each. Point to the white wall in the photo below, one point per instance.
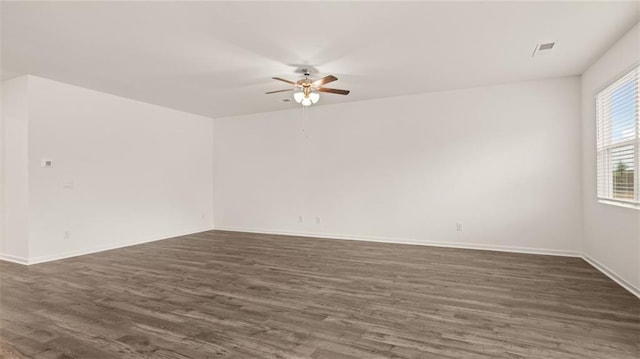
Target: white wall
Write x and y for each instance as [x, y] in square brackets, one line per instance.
[611, 234]
[503, 160]
[123, 171]
[15, 192]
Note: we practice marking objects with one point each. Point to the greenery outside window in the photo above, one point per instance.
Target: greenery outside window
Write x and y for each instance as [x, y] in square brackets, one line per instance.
[618, 140]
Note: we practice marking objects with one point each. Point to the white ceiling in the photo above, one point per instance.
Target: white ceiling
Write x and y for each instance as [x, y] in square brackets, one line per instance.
[217, 58]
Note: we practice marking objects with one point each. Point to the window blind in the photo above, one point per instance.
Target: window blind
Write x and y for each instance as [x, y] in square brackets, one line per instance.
[618, 140]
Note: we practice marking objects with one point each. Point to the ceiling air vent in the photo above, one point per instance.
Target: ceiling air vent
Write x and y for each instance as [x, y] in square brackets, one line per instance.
[542, 49]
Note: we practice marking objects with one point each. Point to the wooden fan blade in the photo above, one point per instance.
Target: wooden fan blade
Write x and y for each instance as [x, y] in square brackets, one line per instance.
[276, 91]
[283, 80]
[336, 91]
[324, 80]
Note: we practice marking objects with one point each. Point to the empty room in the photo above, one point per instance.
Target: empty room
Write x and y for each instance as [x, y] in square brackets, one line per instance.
[320, 179]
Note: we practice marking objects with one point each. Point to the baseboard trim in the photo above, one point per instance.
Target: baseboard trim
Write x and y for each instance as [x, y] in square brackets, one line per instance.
[65, 255]
[554, 252]
[13, 259]
[484, 247]
[612, 274]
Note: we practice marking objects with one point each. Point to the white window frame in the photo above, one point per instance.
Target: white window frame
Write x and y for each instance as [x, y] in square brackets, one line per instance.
[635, 203]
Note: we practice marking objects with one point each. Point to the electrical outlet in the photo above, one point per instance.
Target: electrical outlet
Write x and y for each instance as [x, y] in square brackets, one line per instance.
[66, 234]
[317, 220]
[459, 227]
[300, 219]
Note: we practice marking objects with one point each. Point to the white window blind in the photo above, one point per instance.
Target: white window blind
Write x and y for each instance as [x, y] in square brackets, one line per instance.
[618, 140]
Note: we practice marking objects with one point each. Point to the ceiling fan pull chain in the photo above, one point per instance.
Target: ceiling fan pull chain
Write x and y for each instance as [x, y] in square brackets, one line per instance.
[305, 116]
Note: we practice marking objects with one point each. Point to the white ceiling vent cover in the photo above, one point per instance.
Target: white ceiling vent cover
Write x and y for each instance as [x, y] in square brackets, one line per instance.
[543, 48]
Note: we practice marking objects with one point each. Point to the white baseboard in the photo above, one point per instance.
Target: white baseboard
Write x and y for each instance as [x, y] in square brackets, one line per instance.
[611, 274]
[486, 247]
[554, 252]
[13, 259]
[64, 255]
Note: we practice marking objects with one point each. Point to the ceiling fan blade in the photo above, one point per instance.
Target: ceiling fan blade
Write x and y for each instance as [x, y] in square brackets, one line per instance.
[336, 91]
[283, 80]
[276, 91]
[324, 80]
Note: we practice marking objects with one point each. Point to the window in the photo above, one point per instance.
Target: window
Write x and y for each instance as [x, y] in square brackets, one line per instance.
[618, 140]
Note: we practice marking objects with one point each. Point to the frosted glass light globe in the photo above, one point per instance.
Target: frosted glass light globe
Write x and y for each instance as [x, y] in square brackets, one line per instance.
[314, 96]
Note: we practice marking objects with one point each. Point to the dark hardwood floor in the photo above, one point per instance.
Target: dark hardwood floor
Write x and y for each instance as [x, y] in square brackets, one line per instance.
[237, 295]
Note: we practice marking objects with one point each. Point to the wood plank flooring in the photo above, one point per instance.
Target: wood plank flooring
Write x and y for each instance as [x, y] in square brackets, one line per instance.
[237, 295]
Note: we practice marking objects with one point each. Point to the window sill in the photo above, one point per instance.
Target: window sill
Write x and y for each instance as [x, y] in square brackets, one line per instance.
[620, 204]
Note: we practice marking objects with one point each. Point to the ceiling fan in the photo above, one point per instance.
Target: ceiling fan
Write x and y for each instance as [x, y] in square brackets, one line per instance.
[306, 91]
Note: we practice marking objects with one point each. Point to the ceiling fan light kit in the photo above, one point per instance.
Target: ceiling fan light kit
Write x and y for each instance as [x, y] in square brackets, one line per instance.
[306, 91]
[306, 98]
